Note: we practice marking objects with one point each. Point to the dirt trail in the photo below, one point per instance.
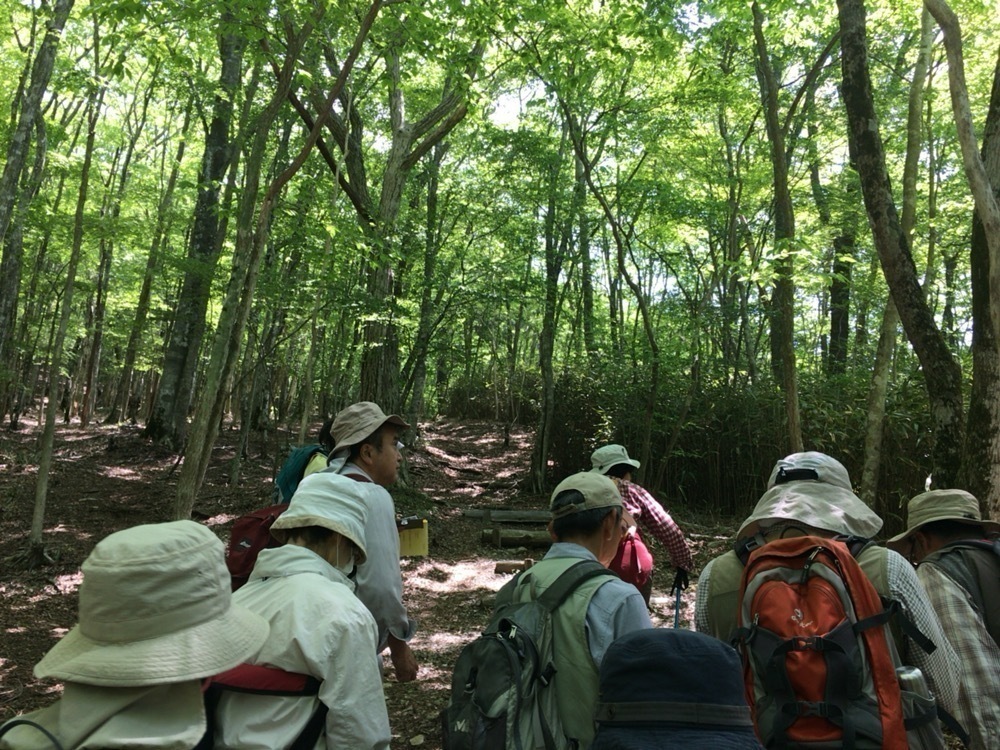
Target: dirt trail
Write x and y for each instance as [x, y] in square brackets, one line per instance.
[107, 478]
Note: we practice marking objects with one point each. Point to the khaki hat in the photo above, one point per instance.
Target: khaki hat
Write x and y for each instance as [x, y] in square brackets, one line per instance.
[155, 608]
[358, 421]
[812, 489]
[330, 501]
[598, 492]
[942, 505]
[610, 455]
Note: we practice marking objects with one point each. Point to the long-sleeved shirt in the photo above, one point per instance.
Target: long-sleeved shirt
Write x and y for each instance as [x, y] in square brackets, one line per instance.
[644, 508]
[978, 709]
[379, 580]
[319, 628]
[617, 607]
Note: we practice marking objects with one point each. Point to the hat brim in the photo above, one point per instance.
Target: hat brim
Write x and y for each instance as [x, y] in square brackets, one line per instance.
[650, 737]
[353, 438]
[989, 527]
[605, 468]
[822, 506]
[193, 653]
[280, 530]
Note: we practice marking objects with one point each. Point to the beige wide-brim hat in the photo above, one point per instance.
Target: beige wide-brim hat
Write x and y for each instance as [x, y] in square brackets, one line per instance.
[598, 491]
[610, 455]
[812, 489]
[155, 608]
[942, 505]
[358, 421]
[330, 501]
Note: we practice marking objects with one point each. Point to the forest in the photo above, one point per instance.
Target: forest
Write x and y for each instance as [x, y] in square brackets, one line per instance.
[715, 232]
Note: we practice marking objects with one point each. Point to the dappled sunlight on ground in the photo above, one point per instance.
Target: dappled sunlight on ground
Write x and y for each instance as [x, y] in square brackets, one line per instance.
[119, 472]
[67, 584]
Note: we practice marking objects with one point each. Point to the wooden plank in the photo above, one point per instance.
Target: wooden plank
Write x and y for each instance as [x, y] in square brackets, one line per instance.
[491, 515]
[516, 538]
[512, 566]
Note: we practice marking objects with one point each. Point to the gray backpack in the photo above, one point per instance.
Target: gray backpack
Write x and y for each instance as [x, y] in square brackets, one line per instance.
[500, 696]
[975, 566]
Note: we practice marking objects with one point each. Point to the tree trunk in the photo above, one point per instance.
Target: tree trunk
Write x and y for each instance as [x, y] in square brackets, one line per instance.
[546, 339]
[119, 404]
[782, 311]
[251, 241]
[379, 379]
[941, 372]
[168, 421]
[875, 422]
[10, 282]
[981, 470]
[982, 192]
[17, 156]
[37, 551]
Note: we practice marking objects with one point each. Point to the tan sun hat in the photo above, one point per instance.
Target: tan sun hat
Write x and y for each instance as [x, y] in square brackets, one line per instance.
[942, 505]
[155, 608]
[610, 455]
[813, 489]
[330, 501]
[598, 492]
[358, 421]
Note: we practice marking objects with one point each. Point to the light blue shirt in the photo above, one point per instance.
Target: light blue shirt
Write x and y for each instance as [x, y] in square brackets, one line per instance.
[616, 608]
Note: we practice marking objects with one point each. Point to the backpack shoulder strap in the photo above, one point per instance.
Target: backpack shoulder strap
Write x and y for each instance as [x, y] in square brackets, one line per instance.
[569, 581]
[560, 589]
[975, 565]
[29, 723]
[257, 679]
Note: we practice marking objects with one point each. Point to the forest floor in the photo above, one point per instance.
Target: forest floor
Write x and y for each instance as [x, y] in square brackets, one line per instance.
[107, 478]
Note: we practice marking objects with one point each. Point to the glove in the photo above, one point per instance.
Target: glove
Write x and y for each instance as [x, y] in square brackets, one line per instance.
[680, 581]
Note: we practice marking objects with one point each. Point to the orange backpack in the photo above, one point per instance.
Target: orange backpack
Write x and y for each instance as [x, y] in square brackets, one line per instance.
[818, 664]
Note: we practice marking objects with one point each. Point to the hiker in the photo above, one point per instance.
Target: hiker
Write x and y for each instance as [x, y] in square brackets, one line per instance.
[672, 688]
[942, 528]
[367, 448]
[156, 617]
[586, 525]
[319, 459]
[810, 494]
[633, 562]
[297, 587]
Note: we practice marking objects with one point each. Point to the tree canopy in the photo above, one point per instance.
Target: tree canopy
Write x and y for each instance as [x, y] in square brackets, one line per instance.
[674, 226]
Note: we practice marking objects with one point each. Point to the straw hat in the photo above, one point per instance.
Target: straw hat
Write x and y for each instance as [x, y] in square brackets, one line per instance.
[331, 501]
[942, 505]
[598, 492]
[611, 455]
[358, 421]
[663, 688]
[814, 489]
[155, 608]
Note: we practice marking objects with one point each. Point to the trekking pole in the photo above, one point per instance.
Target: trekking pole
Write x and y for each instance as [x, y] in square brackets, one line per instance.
[677, 608]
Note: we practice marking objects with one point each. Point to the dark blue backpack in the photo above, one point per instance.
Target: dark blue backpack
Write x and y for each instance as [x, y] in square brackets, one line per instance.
[291, 471]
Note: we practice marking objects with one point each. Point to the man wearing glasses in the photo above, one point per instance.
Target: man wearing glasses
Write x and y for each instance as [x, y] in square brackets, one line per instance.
[367, 449]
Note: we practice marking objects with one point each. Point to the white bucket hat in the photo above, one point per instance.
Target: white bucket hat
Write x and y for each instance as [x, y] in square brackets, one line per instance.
[330, 501]
[155, 608]
[611, 455]
[813, 489]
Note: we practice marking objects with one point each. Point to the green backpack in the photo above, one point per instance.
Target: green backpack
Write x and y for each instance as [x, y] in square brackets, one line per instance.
[499, 692]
